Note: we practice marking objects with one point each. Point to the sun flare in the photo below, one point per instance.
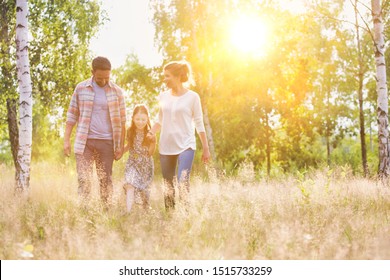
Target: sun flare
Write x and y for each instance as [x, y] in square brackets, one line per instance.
[249, 35]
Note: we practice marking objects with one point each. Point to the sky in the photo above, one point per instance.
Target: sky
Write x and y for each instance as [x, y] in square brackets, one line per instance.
[128, 30]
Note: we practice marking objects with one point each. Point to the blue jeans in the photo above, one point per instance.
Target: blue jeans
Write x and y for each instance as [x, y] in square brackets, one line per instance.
[183, 161]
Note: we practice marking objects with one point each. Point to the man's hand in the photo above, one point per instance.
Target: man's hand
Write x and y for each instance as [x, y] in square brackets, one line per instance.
[68, 132]
[67, 148]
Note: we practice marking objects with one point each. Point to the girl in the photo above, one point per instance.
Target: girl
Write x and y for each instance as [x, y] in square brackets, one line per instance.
[179, 115]
[139, 167]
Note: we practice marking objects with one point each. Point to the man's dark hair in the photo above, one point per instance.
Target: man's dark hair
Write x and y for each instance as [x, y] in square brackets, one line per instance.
[101, 63]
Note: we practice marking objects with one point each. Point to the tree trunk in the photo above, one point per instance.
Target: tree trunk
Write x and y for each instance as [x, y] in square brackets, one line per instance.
[268, 143]
[209, 133]
[381, 88]
[13, 132]
[25, 96]
[363, 147]
[7, 81]
[360, 75]
[327, 146]
[327, 133]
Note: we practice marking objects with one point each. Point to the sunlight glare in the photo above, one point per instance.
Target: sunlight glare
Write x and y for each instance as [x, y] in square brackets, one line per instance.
[249, 35]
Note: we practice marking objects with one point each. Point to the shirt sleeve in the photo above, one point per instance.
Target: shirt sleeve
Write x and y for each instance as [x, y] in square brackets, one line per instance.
[73, 113]
[122, 107]
[198, 115]
[158, 119]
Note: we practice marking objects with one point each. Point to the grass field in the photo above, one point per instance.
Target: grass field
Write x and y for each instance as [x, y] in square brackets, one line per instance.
[322, 215]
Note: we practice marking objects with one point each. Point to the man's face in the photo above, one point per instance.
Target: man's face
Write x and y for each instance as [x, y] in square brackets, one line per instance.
[101, 77]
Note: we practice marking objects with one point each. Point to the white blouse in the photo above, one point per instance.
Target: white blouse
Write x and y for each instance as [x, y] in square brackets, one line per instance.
[179, 116]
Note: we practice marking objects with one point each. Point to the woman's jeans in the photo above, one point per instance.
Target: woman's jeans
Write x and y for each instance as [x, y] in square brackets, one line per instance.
[183, 161]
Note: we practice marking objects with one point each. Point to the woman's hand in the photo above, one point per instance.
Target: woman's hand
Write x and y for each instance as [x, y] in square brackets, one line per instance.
[206, 155]
[151, 137]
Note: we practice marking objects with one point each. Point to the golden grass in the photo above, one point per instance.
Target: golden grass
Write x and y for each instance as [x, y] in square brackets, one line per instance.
[324, 215]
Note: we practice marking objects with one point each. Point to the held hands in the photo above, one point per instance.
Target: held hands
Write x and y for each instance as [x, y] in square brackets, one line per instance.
[151, 137]
[118, 153]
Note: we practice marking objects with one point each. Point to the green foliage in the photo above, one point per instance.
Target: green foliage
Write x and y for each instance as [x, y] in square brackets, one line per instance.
[348, 152]
[288, 105]
[59, 54]
[59, 59]
[5, 153]
[141, 83]
[47, 142]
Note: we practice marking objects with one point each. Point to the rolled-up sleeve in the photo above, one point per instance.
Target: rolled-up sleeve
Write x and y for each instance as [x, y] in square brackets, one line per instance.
[198, 115]
[122, 107]
[159, 118]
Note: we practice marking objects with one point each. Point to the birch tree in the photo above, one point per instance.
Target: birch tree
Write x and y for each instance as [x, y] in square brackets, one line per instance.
[25, 96]
[7, 77]
[381, 88]
[59, 59]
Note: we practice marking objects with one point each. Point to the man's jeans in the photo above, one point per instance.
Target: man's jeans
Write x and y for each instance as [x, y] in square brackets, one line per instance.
[168, 169]
[102, 153]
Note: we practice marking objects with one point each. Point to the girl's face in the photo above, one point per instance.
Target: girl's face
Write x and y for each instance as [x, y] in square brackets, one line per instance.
[140, 120]
[170, 80]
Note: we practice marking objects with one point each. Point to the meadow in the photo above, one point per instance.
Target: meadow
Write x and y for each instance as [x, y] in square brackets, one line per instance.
[326, 215]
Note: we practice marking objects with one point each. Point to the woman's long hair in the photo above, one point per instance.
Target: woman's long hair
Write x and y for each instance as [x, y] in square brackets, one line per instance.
[131, 131]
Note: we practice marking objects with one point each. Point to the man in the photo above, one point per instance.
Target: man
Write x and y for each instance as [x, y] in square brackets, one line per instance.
[98, 106]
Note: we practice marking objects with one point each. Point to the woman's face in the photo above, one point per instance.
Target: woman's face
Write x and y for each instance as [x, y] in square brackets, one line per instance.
[140, 120]
[170, 80]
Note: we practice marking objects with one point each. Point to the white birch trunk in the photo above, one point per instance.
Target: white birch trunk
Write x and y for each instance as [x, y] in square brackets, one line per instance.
[383, 133]
[25, 96]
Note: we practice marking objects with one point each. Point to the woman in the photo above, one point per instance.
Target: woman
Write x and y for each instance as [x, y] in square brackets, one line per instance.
[180, 113]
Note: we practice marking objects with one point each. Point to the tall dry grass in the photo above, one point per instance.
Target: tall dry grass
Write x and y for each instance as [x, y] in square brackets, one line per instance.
[323, 215]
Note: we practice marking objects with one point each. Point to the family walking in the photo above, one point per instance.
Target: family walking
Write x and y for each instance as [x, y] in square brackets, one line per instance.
[98, 108]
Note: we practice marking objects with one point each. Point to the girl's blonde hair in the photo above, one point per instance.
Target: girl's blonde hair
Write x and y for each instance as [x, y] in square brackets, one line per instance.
[180, 69]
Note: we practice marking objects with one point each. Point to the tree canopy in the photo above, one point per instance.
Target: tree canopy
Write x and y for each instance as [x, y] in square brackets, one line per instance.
[285, 96]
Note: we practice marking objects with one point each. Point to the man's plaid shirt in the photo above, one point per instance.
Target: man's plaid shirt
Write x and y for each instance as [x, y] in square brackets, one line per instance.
[80, 111]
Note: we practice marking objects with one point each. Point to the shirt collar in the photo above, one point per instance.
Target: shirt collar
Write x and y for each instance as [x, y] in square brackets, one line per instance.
[90, 80]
